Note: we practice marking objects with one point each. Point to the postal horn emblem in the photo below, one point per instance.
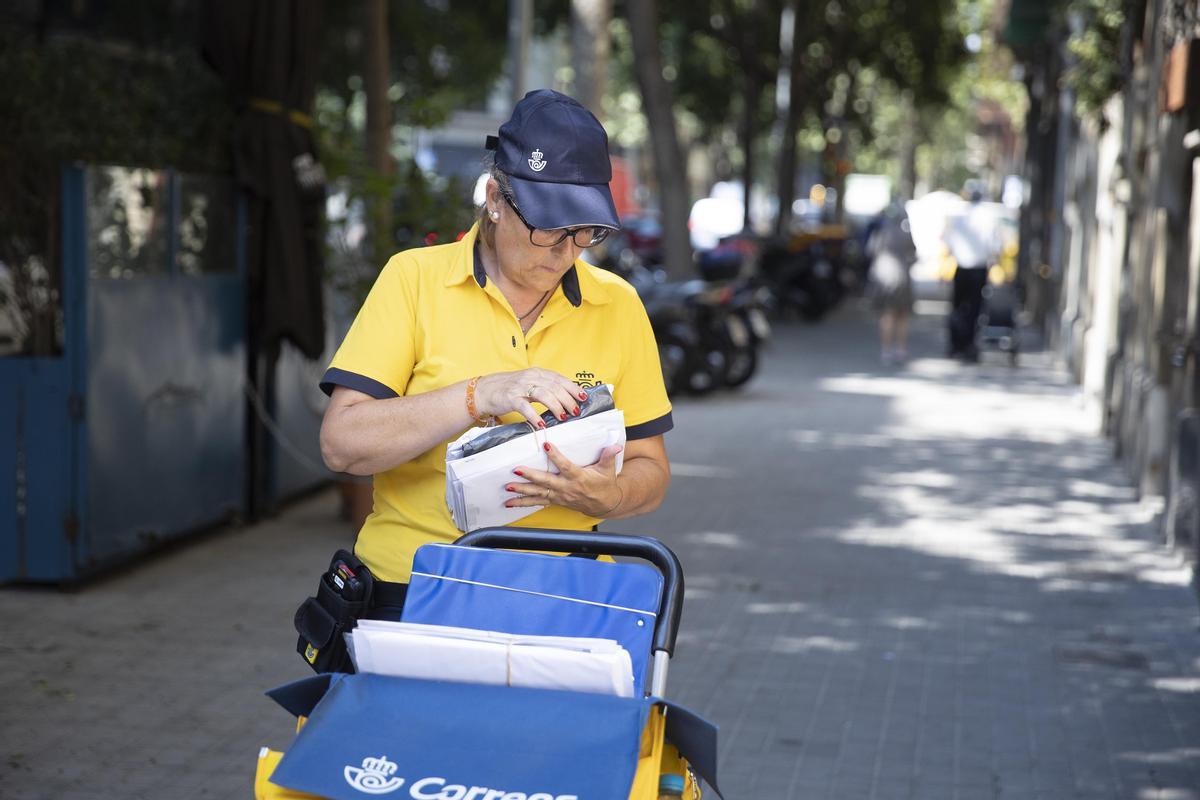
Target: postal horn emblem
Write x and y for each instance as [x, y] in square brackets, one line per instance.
[374, 776]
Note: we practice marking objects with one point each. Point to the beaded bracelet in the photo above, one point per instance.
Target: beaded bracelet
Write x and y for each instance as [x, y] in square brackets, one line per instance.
[474, 412]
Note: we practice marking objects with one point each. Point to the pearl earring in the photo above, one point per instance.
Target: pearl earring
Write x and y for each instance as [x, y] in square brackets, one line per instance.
[495, 215]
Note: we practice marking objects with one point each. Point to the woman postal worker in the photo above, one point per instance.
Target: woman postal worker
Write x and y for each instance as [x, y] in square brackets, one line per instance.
[495, 325]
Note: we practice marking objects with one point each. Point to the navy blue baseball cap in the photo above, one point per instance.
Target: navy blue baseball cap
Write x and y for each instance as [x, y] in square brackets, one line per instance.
[556, 154]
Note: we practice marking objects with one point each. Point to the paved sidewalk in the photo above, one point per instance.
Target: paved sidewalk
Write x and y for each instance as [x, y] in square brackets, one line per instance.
[929, 582]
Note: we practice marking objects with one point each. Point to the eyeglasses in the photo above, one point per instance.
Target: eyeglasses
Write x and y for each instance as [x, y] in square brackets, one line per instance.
[585, 237]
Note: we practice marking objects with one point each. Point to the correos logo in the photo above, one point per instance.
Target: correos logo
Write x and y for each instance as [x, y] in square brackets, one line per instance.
[438, 789]
[375, 776]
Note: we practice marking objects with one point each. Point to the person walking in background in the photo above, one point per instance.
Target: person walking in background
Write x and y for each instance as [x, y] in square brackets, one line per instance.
[889, 283]
[973, 242]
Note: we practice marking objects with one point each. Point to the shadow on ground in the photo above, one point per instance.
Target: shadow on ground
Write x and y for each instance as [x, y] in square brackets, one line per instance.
[928, 582]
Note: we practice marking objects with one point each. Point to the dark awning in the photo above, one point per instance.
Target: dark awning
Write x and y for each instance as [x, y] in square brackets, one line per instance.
[267, 52]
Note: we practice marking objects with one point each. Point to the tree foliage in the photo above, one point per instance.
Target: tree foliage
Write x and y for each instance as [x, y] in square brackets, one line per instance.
[444, 56]
[985, 81]
[715, 50]
[105, 102]
[1095, 47]
[855, 57]
[72, 95]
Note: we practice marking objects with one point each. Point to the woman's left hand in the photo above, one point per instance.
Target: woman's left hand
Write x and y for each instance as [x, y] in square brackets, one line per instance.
[590, 490]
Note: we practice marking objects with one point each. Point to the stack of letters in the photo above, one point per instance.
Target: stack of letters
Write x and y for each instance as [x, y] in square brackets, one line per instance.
[480, 463]
[443, 653]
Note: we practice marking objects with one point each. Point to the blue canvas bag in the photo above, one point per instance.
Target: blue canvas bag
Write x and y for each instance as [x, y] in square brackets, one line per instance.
[539, 594]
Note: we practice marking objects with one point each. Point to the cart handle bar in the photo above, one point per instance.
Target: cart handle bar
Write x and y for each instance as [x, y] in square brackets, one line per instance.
[591, 543]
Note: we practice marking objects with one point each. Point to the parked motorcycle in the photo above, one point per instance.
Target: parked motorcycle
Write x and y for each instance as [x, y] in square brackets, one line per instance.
[803, 282]
[811, 271]
[677, 314]
[739, 322]
[749, 303]
[708, 330]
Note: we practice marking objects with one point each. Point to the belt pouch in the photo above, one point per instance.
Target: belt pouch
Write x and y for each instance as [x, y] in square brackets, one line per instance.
[323, 621]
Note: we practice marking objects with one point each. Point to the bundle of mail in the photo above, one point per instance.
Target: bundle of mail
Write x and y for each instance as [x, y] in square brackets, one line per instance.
[480, 463]
[444, 653]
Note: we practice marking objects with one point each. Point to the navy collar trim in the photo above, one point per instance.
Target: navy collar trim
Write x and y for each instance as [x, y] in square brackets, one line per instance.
[570, 281]
[480, 274]
[570, 287]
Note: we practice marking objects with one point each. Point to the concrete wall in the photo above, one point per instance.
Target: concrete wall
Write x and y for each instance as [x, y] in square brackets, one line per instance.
[1128, 240]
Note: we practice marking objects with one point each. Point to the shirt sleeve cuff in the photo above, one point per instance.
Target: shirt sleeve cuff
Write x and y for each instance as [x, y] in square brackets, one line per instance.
[352, 380]
[655, 427]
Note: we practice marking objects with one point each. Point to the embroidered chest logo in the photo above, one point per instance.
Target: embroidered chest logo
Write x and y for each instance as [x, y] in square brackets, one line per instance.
[535, 162]
[587, 380]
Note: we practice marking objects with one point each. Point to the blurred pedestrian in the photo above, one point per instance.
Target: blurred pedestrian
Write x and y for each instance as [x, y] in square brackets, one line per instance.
[889, 282]
[973, 240]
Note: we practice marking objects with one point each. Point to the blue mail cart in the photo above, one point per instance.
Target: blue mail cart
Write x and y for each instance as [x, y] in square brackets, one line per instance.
[372, 735]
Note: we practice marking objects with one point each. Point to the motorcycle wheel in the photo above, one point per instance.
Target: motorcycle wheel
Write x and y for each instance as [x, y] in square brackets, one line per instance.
[673, 356]
[706, 373]
[740, 365]
[810, 307]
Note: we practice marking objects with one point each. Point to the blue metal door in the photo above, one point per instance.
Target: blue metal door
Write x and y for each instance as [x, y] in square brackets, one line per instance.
[136, 433]
[41, 428]
[166, 359]
[36, 498]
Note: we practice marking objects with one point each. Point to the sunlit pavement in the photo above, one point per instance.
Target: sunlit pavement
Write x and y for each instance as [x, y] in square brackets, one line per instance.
[925, 582]
[920, 582]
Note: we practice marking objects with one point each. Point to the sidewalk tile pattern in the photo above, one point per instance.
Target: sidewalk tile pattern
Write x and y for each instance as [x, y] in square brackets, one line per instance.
[907, 583]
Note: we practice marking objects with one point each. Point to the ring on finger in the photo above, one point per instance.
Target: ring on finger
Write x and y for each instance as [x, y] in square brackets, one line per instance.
[529, 390]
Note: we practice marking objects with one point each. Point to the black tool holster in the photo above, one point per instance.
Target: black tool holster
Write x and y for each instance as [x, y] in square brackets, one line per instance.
[323, 620]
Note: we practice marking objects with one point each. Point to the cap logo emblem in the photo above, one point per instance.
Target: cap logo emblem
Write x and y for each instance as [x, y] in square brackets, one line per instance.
[535, 162]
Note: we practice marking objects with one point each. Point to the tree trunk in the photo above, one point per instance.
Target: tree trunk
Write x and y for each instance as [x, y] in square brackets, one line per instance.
[752, 90]
[589, 51]
[658, 105]
[840, 169]
[376, 77]
[788, 111]
[842, 166]
[908, 148]
[520, 34]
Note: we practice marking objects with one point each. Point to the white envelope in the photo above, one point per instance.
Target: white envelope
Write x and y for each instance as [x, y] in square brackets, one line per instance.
[475, 485]
[435, 652]
[408, 655]
[571, 670]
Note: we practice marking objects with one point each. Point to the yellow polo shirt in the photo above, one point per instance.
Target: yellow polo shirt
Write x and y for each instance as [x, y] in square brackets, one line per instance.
[433, 319]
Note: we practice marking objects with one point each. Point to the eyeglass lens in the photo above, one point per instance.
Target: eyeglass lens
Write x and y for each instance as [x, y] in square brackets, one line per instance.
[582, 237]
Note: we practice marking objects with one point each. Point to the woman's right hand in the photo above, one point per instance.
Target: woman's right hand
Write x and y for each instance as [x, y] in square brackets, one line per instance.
[503, 392]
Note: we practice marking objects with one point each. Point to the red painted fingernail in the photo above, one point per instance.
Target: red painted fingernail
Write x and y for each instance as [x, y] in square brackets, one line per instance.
[508, 505]
[509, 489]
[541, 424]
[563, 416]
[583, 395]
[518, 472]
[576, 411]
[547, 446]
